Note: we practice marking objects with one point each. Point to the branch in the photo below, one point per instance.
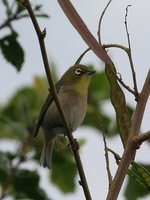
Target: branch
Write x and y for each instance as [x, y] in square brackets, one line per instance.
[100, 22]
[117, 46]
[130, 148]
[10, 19]
[41, 35]
[81, 56]
[16, 16]
[127, 50]
[130, 56]
[141, 138]
[80, 26]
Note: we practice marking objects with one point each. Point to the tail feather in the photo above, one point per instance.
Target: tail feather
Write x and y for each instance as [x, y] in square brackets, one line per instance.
[46, 157]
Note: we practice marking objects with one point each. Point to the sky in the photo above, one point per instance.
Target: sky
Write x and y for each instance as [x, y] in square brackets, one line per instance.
[64, 45]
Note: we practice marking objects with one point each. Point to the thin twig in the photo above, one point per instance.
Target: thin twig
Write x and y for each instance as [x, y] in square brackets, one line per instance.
[81, 56]
[119, 78]
[106, 153]
[117, 46]
[9, 20]
[130, 55]
[130, 149]
[100, 22]
[41, 35]
[16, 16]
[123, 84]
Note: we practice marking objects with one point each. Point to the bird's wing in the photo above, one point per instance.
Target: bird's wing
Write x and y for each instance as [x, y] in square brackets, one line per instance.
[46, 104]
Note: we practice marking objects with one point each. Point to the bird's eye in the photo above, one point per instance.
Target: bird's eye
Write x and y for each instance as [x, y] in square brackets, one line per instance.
[78, 71]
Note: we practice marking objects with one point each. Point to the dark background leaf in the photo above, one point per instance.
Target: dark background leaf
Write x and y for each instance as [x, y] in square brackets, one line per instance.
[12, 50]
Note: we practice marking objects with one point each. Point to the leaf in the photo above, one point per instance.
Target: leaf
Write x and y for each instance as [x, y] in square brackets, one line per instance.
[12, 50]
[99, 88]
[139, 179]
[26, 184]
[143, 173]
[99, 94]
[138, 182]
[38, 7]
[63, 172]
[119, 103]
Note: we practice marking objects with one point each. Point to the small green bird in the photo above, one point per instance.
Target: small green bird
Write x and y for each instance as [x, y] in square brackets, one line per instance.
[72, 90]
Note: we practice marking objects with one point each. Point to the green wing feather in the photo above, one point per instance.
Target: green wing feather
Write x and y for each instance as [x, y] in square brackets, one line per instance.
[45, 106]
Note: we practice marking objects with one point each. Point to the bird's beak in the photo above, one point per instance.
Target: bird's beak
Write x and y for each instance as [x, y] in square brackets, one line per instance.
[90, 72]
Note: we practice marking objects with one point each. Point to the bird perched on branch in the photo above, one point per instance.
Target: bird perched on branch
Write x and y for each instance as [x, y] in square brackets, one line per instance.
[72, 91]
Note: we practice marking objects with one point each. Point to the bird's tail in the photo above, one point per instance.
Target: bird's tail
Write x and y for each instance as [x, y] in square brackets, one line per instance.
[46, 157]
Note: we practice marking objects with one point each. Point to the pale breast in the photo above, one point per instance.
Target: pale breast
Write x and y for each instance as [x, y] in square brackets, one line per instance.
[74, 106]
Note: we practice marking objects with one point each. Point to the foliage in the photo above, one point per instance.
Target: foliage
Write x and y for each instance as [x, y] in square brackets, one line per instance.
[136, 189]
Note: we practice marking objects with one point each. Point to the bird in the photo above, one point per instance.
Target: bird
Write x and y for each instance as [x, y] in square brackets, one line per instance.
[72, 91]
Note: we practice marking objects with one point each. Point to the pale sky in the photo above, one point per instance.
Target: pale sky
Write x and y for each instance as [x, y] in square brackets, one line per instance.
[64, 45]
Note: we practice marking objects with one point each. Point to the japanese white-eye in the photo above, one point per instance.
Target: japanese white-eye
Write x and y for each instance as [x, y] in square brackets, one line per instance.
[72, 90]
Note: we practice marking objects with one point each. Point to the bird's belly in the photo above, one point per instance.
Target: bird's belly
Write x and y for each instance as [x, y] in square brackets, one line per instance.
[74, 109]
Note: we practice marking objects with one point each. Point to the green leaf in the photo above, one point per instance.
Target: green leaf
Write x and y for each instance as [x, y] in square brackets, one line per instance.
[26, 184]
[63, 172]
[143, 173]
[99, 87]
[12, 50]
[119, 103]
[138, 182]
[99, 94]
[38, 7]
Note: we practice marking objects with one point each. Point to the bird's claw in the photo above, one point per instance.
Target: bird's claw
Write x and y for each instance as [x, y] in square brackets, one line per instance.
[75, 145]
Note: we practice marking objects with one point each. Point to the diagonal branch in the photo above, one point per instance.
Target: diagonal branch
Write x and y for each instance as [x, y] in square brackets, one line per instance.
[41, 35]
[80, 26]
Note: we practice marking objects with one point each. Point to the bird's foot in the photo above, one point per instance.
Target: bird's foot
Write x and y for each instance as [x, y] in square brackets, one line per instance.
[75, 146]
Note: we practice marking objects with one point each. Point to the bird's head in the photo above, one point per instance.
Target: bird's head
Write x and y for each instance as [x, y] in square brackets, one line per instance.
[78, 77]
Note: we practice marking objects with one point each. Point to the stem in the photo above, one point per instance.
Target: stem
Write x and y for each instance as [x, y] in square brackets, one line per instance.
[9, 19]
[41, 35]
[117, 46]
[130, 56]
[100, 22]
[130, 149]
[81, 56]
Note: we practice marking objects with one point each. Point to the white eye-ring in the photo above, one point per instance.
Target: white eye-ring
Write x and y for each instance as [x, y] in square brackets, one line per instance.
[78, 71]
